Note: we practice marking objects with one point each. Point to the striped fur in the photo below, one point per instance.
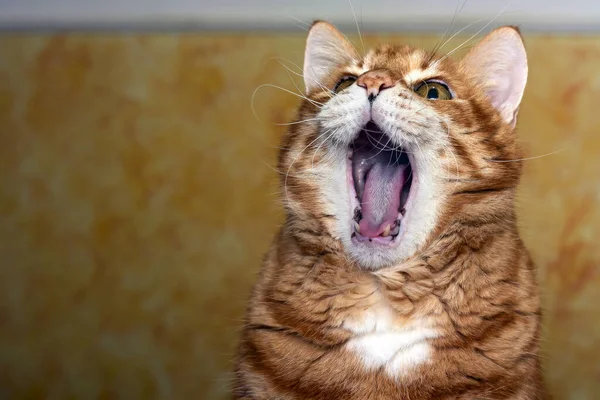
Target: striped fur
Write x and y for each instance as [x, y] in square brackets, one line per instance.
[456, 316]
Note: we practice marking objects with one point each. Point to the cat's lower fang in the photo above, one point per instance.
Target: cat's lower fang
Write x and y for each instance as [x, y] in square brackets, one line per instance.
[396, 230]
[386, 231]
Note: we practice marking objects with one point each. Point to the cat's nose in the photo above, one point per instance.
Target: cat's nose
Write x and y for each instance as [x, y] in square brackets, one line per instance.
[375, 81]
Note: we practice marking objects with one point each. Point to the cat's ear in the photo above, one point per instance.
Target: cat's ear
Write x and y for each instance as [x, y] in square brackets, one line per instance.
[326, 49]
[498, 64]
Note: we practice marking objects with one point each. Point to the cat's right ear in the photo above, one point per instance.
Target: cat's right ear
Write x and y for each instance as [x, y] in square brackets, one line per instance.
[326, 49]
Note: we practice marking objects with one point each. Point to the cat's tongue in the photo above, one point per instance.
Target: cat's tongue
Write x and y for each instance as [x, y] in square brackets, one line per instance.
[381, 198]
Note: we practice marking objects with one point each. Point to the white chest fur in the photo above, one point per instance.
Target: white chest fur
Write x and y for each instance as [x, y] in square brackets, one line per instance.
[379, 343]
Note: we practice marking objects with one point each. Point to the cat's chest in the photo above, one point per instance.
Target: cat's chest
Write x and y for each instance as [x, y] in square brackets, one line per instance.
[382, 341]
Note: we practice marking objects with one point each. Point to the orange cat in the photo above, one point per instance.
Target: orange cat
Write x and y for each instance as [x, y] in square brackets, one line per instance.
[399, 272]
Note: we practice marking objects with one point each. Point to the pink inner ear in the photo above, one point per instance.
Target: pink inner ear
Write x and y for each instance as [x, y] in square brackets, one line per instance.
[499, 65]
[326, 48]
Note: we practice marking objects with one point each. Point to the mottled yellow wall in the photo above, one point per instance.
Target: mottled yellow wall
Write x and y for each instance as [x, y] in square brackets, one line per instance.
[137, 198]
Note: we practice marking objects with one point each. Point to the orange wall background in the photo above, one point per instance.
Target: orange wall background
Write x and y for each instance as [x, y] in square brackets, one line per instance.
[138, 195]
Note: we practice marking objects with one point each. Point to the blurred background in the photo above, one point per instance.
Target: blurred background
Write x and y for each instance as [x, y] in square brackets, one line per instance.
[138, 193]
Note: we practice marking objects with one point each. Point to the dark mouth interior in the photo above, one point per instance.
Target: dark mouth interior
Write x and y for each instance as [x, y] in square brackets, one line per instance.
[382, 177]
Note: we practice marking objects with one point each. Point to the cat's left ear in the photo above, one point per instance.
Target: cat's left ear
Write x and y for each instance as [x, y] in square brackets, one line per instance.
[326, 49]
[498, 64]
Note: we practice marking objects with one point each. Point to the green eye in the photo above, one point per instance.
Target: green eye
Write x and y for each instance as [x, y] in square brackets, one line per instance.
[344, 83]
[433, 90]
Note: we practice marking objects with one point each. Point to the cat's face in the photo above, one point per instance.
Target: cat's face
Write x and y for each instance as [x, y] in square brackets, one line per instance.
[398, 144]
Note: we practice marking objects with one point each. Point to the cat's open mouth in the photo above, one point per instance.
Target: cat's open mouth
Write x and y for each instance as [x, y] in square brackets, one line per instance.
[381, 176]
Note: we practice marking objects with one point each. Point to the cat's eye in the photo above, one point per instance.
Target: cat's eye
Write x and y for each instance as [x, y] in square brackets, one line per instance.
[344, 83]
[433, 90]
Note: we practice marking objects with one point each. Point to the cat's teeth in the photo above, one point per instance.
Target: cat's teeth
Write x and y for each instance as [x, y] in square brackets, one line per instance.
[396, 229]
[386, 231]
[356, 227]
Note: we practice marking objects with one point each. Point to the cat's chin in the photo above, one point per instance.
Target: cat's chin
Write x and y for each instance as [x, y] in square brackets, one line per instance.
[381, 179]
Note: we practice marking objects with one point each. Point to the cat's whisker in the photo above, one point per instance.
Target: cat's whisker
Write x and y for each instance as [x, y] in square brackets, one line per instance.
[312, 162]
[351, 44]
[281, 60]
[525, 158]
[437, 47]
[475, 34]
[285, 183]
[324, 88]
[253, 108]
[275, 194]
[327, 91]
[385, 147]
[381, 149]
[297, 122]
[436, 161]
[447, 170]
[459, 32]
[290, 71]
[277, 171]
[357, 26]
[304, 25]
[448, 147]
[316, 103]
[464, 29]
[271, 167]
[392, 155]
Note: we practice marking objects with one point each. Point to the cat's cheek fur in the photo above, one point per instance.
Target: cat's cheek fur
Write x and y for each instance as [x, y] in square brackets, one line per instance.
[334, 193]
[344, 115]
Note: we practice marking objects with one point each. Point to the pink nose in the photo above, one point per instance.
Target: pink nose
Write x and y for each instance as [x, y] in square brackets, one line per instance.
[375, 81]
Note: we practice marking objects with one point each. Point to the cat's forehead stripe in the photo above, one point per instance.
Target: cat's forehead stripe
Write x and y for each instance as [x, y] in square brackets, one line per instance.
[411, 65]
[411, 77]
[357, 69]
[417, 71]
[419, 75]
